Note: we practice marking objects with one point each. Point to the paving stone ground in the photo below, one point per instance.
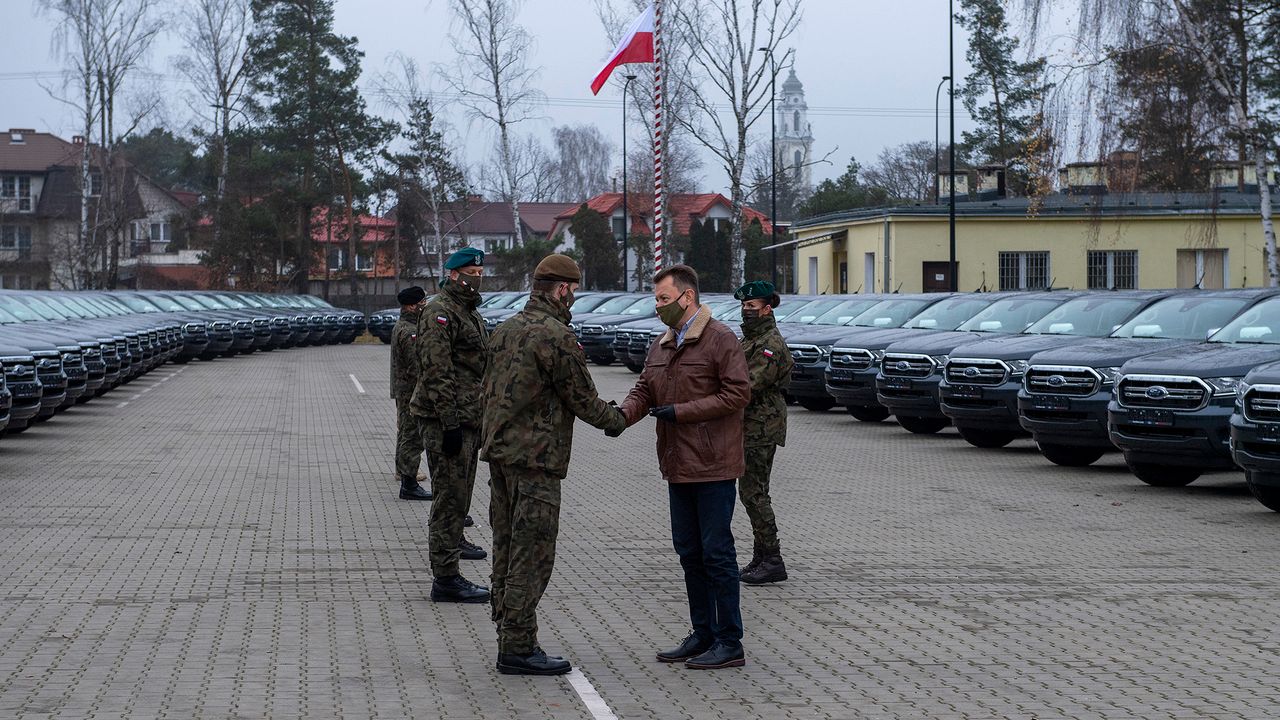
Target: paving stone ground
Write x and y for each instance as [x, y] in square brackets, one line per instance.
[228, 545]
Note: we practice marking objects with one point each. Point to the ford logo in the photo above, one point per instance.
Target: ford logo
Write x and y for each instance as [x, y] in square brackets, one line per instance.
[971, 372]
[1157, 392]
[1057, 381]
[903, 365]
[20, 371]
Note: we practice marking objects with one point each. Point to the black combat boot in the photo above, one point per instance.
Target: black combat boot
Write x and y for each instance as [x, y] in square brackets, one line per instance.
[411, 490]
[770, 570]
[471, 551]
[535, 663]
[458, 589]
[756, 556]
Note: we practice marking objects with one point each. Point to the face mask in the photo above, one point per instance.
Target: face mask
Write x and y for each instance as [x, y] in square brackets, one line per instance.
[671, 313]
[568, 299]
[749, 314]
[471, 281]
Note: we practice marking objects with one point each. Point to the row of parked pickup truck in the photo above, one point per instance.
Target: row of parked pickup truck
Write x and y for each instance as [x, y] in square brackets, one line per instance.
[59, 349]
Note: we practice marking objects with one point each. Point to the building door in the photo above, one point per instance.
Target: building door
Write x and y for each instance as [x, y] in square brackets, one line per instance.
[813, 276]
[869, 272]
[844, 277]
[1206, 269]
[937, 277]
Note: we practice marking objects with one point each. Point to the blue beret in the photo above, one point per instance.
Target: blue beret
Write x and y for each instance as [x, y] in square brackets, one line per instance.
[463, 258]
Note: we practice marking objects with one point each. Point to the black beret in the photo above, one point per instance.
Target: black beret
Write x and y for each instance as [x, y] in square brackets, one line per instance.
[411, 295]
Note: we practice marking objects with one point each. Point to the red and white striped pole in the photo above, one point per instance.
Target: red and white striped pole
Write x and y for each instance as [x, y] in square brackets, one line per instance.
[659, 144]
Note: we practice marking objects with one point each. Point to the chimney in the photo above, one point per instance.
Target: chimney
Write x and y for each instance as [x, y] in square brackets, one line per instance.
[77, 140]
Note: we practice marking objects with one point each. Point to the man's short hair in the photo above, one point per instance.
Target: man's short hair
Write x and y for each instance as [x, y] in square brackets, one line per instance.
[546, 286]
[684, 277]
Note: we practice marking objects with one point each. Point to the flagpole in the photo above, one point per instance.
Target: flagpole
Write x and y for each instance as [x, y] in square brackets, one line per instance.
[659, 145]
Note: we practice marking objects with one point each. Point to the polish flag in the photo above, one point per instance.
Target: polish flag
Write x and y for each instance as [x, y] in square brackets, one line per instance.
[636, 46]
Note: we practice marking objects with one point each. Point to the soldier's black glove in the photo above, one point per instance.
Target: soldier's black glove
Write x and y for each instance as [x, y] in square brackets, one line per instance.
[664, 412]
[452, 444]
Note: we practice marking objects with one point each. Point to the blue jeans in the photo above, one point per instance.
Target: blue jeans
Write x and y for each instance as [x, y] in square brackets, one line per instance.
[701, 514]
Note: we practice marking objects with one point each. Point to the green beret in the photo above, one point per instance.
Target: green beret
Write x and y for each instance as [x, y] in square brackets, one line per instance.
[411, 295]
[558, 267]
[463, 258]
[755, 290]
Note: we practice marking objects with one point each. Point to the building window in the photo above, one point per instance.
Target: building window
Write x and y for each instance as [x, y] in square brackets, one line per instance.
[15, 282]
[16, 237]
[1203, 269]
[17, 187]
[337, 259]
[1113, 269]
[95, 184]
[619, 228]
[1024, 270]
[364, 262]
[795, 121]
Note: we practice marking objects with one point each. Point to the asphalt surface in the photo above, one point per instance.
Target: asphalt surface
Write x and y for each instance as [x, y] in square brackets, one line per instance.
[229, 545]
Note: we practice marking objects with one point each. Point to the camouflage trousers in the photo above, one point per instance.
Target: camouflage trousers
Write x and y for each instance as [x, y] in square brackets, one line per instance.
[753, 488]
[452, 480]
[524, 511]
[408, 442]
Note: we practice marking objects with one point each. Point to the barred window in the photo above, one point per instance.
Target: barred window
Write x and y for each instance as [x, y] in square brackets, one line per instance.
[1024, 270]
[1113, 269]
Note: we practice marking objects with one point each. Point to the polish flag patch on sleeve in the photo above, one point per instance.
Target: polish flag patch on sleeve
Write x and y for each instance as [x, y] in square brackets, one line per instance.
[767, 352]
[442, 320]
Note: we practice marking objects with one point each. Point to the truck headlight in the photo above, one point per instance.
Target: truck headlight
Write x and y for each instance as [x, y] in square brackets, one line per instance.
[1242, 389]
[1224, 386]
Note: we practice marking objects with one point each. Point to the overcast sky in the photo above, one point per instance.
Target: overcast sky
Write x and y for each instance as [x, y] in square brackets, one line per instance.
[869, 68]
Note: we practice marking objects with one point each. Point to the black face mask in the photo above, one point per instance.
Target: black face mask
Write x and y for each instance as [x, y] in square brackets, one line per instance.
[748, 315]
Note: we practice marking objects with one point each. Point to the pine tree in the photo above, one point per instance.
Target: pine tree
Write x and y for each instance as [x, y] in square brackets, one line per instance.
[757, 260]
[601, 259]
[1004, 96]
[315, 121]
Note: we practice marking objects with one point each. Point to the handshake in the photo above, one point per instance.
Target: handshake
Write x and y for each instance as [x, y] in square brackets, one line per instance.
[666, 413]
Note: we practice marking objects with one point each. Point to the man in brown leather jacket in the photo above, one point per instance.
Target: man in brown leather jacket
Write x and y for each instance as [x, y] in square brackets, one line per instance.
[695, 383]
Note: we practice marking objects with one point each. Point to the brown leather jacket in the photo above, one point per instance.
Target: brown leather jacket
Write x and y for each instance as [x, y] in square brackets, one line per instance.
[706, 380]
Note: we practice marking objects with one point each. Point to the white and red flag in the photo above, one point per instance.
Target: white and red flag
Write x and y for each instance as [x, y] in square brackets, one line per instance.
[636, 46]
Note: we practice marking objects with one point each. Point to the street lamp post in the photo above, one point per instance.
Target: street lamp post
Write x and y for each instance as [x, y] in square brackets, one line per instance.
[937, 189]
[773, 165]
[626, 282]
[951, 143]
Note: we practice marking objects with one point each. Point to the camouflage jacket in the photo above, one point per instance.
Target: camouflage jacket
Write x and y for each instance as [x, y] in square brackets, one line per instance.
[404, 356]
[769, 366]
[536, 384]
[452, 353]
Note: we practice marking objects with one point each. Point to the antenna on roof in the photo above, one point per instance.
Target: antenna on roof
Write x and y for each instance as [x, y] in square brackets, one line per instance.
[855, 292]
[895, 291]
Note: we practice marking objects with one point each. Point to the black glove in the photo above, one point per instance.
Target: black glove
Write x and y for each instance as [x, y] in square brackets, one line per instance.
[664, 412]
[452, 444]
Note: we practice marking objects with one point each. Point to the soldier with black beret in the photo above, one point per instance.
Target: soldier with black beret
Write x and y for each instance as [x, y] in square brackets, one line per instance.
[453, 351]
[537, 382]
[769, 366]
[404, 378]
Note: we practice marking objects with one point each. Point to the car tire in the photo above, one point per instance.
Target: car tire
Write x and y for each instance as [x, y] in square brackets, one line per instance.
[921, 425]
[1165, 475]
[603, 362]
[989, 439]
[1268, 494]
[871, 414]
[814, 404]
[1070, 455]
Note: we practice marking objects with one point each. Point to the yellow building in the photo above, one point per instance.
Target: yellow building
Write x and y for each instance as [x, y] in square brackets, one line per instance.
[1076, 240]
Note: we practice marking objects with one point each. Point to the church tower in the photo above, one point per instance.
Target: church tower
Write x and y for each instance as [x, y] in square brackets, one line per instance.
[794, 141]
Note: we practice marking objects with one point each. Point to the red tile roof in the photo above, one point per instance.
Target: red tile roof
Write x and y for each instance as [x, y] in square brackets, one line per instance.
[682, 207]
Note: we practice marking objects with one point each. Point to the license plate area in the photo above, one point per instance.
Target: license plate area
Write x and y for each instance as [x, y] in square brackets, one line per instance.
[841, 374]
[1050, 402]
[1269, 432]
[966, 392]
[1151, 418]
[898, 383]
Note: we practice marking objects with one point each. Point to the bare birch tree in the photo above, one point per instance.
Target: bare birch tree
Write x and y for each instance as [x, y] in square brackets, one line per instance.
[1221, 35]
[724, 38]
[216, 36]
[493, 80]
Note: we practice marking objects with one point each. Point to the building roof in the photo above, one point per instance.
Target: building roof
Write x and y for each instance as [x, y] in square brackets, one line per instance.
[683, 208]
[376, 229]
[1142, 204]
[36, 152]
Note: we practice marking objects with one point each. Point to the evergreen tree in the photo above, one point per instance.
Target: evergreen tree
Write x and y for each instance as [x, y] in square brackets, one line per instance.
[601, 257]
[316, 122]
[709, 254]
[757, 265]
[1004, 96]
[168, 160]
[846, 192]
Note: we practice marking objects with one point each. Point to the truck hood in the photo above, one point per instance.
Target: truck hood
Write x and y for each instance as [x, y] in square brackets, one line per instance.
[1107, 352]
[876, 338]
[817, 335]
[939, 343]
[1205, 360]
[1019, 347]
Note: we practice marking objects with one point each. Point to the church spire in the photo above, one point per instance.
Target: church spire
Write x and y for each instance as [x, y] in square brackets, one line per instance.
[795, 137]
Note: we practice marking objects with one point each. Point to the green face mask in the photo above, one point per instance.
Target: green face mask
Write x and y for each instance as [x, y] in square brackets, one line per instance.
[671, 313]
[472, 281]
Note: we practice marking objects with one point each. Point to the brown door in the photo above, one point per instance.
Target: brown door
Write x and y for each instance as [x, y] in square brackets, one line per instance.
[937, 277]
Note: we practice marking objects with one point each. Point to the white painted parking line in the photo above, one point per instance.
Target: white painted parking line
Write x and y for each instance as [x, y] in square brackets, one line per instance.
[359, 387]
[596, 705]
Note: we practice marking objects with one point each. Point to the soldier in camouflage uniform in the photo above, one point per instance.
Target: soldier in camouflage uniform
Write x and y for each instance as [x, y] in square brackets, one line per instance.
[769, 365]
[404, 378]
[453, 353]
[536, 383]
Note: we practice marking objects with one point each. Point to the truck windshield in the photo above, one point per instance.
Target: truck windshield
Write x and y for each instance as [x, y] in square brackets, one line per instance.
[590, 302]
[810, 311]
[137, 304]
[1011, 315]
[1088, 316]
[497, 300]
[889, 313]
[1182, 318]
[616, 305]
[1259, 324]
[643, 307]
[845, 311]
[948, 314]
[41, 308]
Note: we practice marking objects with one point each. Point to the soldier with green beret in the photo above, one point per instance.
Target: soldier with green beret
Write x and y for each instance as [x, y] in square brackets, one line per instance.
[769, 366]
[404, 378]
[537, 382]
[452, 353]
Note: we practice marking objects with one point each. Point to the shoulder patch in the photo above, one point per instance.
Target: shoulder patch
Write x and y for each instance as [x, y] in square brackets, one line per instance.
[767, 352]
[442, 320]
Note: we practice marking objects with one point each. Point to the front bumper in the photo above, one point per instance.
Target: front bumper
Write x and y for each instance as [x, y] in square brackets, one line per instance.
[1256, 448]
[852, 387]
[807, 381]
[910, 397]
[1078, 421]
[981, 407]
[1199, 438]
